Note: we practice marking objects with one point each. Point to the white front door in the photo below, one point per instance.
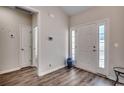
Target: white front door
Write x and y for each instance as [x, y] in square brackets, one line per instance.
[25, 45]
[87, 47]
[90, 47]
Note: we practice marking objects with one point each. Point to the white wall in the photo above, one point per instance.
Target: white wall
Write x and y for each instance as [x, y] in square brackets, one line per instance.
[52, 52]
[116, 33]
[9, 47]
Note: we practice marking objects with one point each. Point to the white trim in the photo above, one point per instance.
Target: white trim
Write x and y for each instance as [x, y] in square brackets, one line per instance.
[52, 70]
[9, 70]
[30, 9]
[88, 23]
[85, 69]
[107, 46]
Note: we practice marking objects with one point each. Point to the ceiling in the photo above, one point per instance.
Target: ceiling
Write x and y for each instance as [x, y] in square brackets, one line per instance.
[72, 10]
[69, 10]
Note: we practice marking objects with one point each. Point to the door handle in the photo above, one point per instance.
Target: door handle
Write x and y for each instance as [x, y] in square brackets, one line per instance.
[22, 49]
[94, 50]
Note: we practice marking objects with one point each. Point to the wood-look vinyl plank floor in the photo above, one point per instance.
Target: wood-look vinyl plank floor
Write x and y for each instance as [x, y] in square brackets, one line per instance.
[62, 77]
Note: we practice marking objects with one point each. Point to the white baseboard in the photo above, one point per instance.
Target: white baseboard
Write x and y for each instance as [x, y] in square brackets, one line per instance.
[85, 69]
[9, 70]
[47, 72]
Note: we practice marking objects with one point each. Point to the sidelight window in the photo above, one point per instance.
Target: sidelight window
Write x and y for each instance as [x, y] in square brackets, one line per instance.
[73, 44]
[102, 46]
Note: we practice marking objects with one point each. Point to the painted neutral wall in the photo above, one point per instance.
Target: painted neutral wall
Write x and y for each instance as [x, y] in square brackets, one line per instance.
[9, 47]
[116, 33]
[51, 53]
[53, 23]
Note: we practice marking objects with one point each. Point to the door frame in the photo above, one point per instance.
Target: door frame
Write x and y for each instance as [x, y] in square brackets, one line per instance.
[37, 12]
[106, 20]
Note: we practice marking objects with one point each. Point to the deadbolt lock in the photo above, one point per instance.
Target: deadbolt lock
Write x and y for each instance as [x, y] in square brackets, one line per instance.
[94, 46]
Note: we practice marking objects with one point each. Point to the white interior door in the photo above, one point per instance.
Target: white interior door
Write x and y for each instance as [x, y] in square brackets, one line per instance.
[87, 47]
[25, 48]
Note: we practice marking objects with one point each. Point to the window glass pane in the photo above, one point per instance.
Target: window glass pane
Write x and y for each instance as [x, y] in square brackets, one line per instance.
[73, 33]
[73, 47]
[101, 56]
[73, 51]
[101, 63]
[73, 44]
[73, 39]
[101, 29]
[101, 46]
